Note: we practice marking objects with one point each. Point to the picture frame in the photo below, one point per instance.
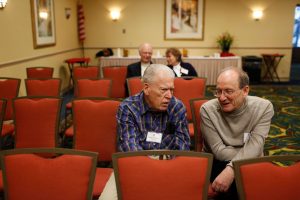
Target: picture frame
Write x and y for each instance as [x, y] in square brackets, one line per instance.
[184, 19]
[43, 23]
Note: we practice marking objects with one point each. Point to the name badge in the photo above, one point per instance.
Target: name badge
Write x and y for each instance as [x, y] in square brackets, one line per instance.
[246, 137]
[154, 137]
[184, 71]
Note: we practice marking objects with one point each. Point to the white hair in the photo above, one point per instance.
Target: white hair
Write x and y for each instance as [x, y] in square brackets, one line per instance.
[154, 70]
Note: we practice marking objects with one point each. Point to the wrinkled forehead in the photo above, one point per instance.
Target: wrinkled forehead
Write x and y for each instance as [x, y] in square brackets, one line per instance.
[228, 79]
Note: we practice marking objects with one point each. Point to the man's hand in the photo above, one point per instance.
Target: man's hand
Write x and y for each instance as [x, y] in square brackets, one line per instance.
[223, 180]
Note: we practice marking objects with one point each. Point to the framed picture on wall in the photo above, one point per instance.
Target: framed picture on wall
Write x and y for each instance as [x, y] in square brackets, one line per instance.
[43, 24]
[184, 19]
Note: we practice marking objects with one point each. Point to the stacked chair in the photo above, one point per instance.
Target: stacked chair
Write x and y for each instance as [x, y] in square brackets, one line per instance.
[118, 77]
[95, 129]
[39, 72]
[187, 88]
[68, 174]
[9, 89]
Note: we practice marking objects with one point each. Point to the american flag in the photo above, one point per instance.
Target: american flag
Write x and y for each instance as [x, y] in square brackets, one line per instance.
[81, 31]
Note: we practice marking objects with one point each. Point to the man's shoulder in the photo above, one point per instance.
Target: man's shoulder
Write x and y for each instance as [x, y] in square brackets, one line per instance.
[257, 101]
[175, 104]
[134, 65]
[211, 104]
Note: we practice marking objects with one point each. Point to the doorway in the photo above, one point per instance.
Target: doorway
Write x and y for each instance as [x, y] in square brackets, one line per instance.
[295, 64]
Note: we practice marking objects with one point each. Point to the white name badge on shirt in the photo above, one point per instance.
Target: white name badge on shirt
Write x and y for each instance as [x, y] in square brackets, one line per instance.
[184, 71]
[154, 137]
[246, 137]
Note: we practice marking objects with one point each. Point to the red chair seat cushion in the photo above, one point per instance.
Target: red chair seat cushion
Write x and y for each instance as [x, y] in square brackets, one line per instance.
[7, 129]
[101, 178]
[69, 132]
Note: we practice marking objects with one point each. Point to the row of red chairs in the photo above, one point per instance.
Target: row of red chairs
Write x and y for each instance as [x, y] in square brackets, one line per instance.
[70, 174]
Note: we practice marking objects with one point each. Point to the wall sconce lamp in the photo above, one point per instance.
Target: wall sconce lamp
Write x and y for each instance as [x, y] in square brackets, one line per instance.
[257, 15]
[68, 13]
[115, 15]
[3, 3]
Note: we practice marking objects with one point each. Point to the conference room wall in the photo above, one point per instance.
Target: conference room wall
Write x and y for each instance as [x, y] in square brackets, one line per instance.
[16, 39]
[143, 20]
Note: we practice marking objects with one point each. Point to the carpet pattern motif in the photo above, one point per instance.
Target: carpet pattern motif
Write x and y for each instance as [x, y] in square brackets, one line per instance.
[284, 135]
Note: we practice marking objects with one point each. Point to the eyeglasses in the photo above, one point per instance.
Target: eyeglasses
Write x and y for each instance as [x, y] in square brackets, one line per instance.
[226, 92]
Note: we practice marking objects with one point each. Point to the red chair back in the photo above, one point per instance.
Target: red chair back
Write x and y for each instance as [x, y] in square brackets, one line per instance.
[43, 87]
[134, 85]
[185, 176]
[261, 178]
[68, 175]
[39, 72]
[2, 113]
[195, 109]
[36, 121]
[187, 88]
[95, 126]
[9, 89]
[93, 87]
[92, 72]
[118, 77]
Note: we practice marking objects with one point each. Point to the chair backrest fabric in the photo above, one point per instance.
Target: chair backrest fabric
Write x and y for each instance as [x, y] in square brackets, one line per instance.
[95, 126]
[68, 175]
[261, 178]
[187, 88]
[195, 109]
[134, 85]
[92, 72]
[93, 87]
[43, 87]
[118, 77]
[36, 121]
[2, 113]
[39, 72]
[9, 89]
[184, 176]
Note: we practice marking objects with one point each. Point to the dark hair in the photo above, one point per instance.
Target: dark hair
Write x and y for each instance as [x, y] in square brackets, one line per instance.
[175, 52]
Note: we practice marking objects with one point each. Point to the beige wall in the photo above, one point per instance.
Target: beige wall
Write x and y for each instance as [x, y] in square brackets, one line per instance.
[17, 50]
[144, 21]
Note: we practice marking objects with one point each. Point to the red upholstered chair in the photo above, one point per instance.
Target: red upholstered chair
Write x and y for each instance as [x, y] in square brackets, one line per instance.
[134, 85]
[188, 88]
[260, 178]
[36, 121]
[195, 109]
[2, 113]
[68, 175]
[118, 76]
[9, 89]
[39, 72]
[95, 129]
[90, 88]
[81, 72]
[184, 176]
[43, 87]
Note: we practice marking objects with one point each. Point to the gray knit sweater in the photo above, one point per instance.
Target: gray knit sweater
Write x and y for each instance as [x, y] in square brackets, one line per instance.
[225, 134]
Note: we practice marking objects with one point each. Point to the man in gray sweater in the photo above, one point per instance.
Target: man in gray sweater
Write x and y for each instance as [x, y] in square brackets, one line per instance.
[234, 127]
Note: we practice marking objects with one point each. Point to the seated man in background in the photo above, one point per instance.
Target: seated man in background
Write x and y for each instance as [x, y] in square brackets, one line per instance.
[137, 69]
[175, 63]
[154, 118]
[234, 127]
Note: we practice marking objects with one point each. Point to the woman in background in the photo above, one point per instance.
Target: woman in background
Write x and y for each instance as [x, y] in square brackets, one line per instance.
[175, 63]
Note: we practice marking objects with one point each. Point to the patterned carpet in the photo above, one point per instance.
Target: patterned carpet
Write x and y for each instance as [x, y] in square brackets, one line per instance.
[284, 136]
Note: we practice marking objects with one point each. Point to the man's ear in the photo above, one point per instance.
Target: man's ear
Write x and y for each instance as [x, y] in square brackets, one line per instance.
[246, 90]
[146, 88]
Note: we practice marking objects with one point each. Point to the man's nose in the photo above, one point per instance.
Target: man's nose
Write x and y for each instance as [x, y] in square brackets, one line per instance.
[169, 94]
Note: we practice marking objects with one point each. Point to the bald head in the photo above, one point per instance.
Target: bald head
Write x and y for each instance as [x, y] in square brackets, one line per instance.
[145, 51]
[237, 74]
